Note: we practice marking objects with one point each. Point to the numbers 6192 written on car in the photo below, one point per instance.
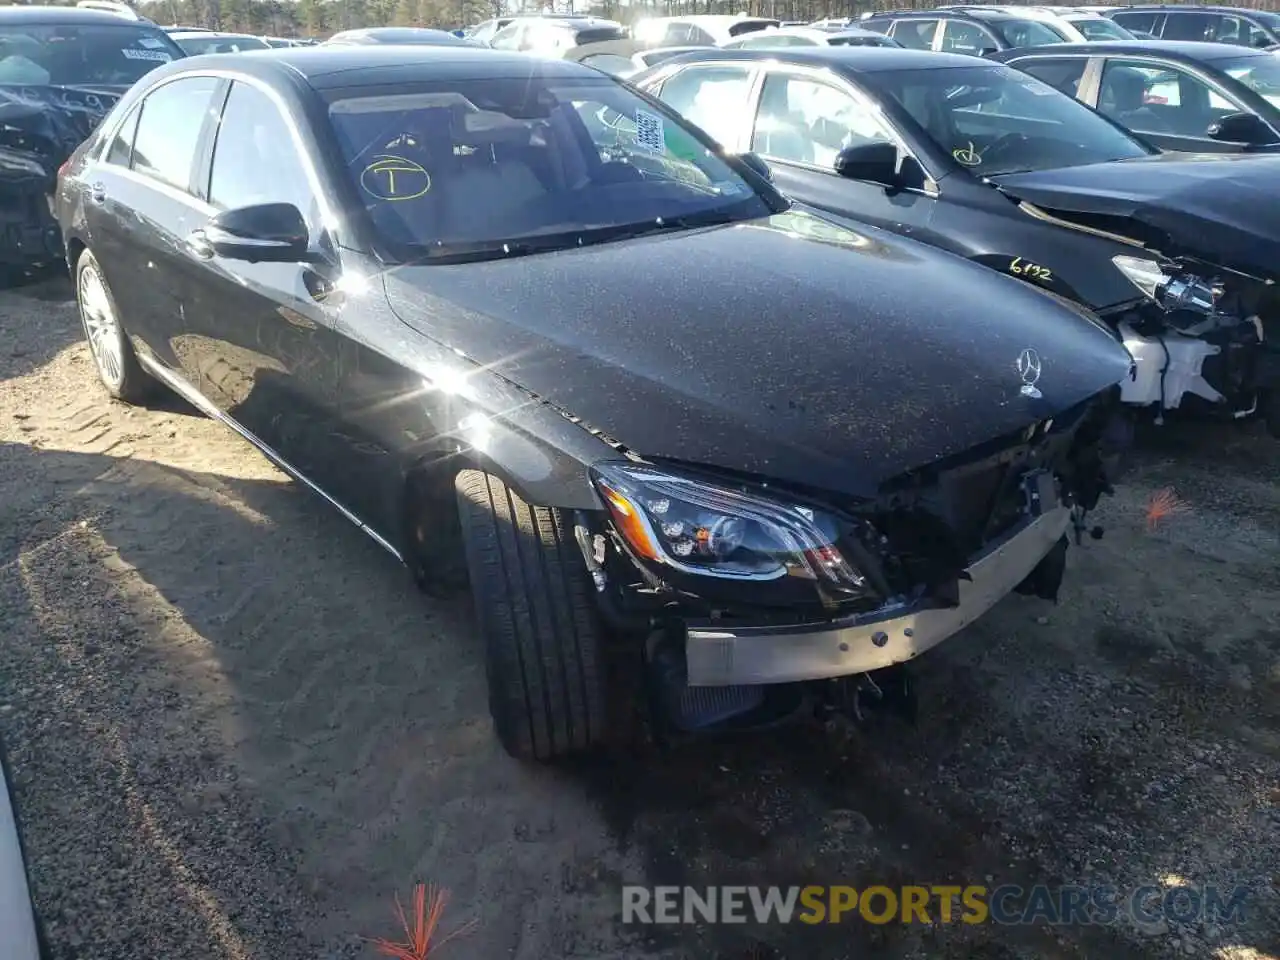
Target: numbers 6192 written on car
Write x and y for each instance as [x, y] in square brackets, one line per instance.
[1030, 271]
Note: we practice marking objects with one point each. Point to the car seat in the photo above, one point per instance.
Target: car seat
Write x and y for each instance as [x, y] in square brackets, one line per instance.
[489, 182]
[780, 131]
[1122, 97]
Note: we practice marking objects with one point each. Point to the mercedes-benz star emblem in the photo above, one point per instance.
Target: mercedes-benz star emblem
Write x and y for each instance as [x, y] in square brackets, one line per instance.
[1029, 371]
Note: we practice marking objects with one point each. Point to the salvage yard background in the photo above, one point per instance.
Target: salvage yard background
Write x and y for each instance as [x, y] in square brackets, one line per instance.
[237, 731]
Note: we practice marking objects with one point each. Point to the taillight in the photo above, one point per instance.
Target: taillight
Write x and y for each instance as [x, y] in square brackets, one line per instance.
[63, 169]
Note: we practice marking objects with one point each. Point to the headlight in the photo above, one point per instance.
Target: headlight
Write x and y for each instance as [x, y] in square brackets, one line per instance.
[1182, 292]
[1144, 274]
[701, 528]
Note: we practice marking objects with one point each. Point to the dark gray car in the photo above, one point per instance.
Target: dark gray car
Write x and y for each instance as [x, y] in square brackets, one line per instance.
[508, 308]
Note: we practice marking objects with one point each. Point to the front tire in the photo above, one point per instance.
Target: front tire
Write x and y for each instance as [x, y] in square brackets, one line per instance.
[542, 640]
[113, 355]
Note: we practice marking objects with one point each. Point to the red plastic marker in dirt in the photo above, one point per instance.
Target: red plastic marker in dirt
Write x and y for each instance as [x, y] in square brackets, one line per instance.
[1164, 504]
[428, 908]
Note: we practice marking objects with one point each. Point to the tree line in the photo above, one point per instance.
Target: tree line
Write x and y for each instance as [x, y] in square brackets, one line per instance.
[320, 18]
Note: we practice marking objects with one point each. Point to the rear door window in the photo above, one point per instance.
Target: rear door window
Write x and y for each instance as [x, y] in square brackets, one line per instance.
[121, 148]
[169, 130]
[1144, 21]
[1064, 73]
[915, 34]
[1185, 25]
[959, 36]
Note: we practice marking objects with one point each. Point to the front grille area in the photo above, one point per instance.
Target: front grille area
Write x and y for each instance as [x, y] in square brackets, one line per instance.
[982, 502]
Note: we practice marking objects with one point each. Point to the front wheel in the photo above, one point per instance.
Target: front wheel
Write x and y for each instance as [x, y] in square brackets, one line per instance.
[113, 355]
[542, 639]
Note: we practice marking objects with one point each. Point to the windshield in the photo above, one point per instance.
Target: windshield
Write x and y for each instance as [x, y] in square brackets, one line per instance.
[1026, 33]
[195, 46]
[507, 166]
[994, 119]
[1101, 29]
[70, 54]
[1259, 74]
[1269, 20]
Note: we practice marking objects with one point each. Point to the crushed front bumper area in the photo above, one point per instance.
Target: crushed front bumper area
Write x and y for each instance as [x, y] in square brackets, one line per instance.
[29, 235]
[743, 656]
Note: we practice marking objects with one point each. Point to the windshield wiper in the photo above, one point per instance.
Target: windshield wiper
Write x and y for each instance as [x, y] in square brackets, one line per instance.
[471, 252]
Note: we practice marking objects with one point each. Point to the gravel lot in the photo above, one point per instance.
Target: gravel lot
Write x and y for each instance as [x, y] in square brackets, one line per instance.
[237, 730]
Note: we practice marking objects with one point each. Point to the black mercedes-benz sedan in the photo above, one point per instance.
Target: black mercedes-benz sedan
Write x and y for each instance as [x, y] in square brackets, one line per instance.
[662, 412]
[1179, 254]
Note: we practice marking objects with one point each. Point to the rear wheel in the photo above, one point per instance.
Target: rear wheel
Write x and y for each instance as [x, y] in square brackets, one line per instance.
[542, 639]
[113, 355]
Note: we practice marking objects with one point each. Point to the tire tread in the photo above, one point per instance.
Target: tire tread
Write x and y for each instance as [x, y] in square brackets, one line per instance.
[542, 638]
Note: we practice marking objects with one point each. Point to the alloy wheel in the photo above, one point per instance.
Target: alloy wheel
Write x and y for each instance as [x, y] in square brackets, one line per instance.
[100, 326]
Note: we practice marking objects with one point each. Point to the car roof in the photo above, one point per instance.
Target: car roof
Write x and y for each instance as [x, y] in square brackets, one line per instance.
[212, 33]
[714, 19]
[1194, 51]
[1197, 8]
[953, 12]
[16, 14]
[848, 59]
[328, 68]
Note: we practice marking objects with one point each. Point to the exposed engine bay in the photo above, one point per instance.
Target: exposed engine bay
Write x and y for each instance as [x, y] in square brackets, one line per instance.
[1207, 333]
[40, 126]
[1201, 337]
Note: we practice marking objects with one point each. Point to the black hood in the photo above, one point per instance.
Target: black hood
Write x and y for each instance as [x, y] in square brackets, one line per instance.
[40, 126]
[1217, 208]
[787, 347]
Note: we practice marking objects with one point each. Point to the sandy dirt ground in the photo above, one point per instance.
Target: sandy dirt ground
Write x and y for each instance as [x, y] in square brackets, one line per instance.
[237, 730]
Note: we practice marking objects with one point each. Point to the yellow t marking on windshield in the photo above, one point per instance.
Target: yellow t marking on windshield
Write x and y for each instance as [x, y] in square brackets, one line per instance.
[395, 178]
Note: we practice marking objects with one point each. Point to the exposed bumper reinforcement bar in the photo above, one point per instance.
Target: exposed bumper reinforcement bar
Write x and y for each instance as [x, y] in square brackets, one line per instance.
[752, 655]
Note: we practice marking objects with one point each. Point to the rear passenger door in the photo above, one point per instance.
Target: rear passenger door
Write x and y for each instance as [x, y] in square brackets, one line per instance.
[143, 202]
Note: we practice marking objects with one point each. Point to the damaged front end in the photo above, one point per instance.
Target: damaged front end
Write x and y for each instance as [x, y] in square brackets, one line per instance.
[1205, 336]
[753, 604]
[40, 127]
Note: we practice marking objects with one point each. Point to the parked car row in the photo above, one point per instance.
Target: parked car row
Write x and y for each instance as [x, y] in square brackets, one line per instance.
[1005, 169]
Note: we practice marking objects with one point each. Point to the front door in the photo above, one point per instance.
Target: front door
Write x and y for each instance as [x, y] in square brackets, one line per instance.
[276, 350]
[802, 122]
[1166, 104]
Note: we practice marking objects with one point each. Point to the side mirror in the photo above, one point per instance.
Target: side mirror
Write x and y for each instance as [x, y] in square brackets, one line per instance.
[873, 162]
[262, 233]
[988, 51]
[756, 165]
[1246, 128]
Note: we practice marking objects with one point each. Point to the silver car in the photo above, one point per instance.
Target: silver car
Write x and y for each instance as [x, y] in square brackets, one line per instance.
[18, 932]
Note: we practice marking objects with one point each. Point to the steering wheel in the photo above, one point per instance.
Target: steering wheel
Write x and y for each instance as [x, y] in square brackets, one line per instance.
[1002, 143]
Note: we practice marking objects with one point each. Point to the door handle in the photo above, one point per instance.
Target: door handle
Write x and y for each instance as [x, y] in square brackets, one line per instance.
[198, 243]
[98, 193]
